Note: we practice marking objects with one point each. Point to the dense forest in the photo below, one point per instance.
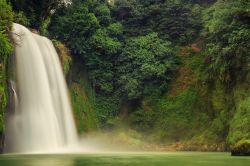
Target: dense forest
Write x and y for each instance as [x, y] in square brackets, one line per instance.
[146, 73]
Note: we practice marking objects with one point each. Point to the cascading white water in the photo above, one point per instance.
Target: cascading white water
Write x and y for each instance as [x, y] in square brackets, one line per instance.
[42, 120]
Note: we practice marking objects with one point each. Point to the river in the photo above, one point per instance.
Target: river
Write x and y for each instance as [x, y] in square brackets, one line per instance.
[122, 159]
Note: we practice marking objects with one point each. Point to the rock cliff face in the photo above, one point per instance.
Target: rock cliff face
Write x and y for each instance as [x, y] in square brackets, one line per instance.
[197, 114]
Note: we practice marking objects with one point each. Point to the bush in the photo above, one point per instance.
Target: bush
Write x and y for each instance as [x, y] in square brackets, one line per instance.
[177, 21]
[242, 148]
[5, 46]
[168, 118]
[6, 17]
[240, 124]
[21, 18]
[145, 65]
[227, 47]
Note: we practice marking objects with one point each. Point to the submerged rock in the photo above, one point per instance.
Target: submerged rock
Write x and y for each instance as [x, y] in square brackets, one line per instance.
[242, 148]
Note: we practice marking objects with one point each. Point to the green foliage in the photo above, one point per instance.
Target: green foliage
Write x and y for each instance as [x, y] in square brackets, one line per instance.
[91, 110]
[6, 17]
[242, 148]
[36, 11]
[44, 26]
[85, 116]
[5, 46]
[228, 46]
[107, 107]
[92, 37]
[240, 124]
[176, 115]
[115, 29]
[83, 100]
[169, 118]
[75, 27]
[105, 47]
[21, 18]
[142, 120]
[101, 45]
[145, 59]
[102, 13]
[204, 2]
[176, 20]
[217, 128]
[181, 22]
[3, 99]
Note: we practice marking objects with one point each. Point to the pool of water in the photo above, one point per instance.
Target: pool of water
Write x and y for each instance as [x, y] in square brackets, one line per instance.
[122, 159]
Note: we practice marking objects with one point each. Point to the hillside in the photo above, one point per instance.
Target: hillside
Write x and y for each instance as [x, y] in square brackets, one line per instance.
[156, 74]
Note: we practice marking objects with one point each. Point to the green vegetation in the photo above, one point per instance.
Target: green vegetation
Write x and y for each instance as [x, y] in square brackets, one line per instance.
[83, 100]
[227, 45]
[176, 20]
[33, 12]
[6, 17]
[128, 62]
[239, 127]
[242, 148]
[64, 55]
[145, 59]
[166, 71]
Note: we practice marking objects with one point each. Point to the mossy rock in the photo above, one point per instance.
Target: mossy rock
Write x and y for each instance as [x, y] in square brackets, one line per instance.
[242, 148]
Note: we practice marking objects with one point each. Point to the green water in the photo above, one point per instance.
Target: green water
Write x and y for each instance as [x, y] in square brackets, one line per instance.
[121, 159]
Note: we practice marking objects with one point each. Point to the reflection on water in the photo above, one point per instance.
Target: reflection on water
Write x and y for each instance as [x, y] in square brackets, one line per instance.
[36, 160]
[125, 159]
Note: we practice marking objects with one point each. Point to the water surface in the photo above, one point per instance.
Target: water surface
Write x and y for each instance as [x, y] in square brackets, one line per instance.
[122, 159]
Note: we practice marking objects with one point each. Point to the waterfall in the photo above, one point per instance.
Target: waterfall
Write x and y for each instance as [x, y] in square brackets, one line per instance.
[42, 120]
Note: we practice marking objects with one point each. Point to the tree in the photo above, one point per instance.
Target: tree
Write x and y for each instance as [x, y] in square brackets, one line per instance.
[227, 23]
[174, 20]
[105, 48]
[6, 17]
[87, 30]
[75, 27]
[145, 65]
[38, 11]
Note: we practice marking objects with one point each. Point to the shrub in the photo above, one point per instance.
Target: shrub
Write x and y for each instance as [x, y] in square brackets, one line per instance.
[21, 18]
[6, 17]
[242, 148]
[240, 124]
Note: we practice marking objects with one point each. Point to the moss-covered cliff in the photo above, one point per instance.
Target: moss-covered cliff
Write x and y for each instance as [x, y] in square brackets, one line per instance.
[196, 113]
[6, 17]
[81, 93]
